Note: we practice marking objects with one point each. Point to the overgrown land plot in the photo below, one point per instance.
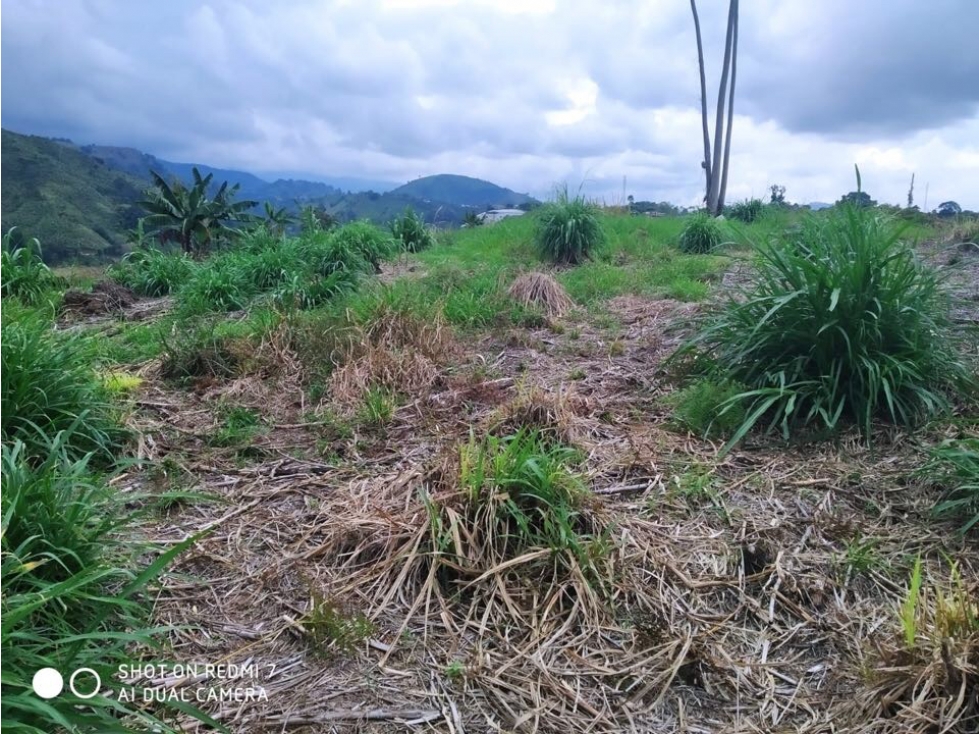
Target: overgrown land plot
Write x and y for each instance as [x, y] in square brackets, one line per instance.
[575, 471]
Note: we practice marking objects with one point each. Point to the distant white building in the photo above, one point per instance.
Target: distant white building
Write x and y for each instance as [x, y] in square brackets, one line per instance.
[495, 215]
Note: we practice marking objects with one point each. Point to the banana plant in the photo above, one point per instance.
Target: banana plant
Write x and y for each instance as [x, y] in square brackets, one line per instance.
[188, 216]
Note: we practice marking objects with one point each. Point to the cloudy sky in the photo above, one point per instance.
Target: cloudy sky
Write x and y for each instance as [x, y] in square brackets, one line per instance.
[527, 93]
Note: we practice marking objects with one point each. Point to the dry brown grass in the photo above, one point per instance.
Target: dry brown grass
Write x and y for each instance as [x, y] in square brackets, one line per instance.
[397, 351]
[554, 413]
[543, 291]
[732, 599]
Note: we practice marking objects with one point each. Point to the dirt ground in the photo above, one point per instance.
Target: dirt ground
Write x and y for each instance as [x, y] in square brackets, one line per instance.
[755, 593]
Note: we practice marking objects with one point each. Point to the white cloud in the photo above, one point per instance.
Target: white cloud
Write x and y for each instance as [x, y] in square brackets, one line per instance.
[527, 93]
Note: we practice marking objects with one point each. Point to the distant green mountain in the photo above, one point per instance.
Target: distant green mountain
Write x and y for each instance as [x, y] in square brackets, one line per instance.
[79, 201]
[463, 191]
[76, 206]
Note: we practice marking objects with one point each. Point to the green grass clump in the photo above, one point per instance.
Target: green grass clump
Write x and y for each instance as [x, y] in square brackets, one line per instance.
[377, 408]
[701, 235]
[841, 323]
[331, 627]
[221, 285]
[71, 597]
[955, 466]
[372, 243]
[49, 386]
[198, 348]
[151, 272]
[746, 211]
[523, 494]
[569, 230]
[24, 275]
[410, 231]
[708, 408]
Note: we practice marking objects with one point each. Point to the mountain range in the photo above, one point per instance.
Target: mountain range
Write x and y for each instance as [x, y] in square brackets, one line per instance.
[81, 200]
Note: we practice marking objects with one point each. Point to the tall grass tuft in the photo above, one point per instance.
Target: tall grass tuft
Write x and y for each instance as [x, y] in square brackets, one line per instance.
[373, 244]
[701, 235]
[70, 599]
[410, 231]
[841, 323]
[151, 272]
[746, 211]
[49, 387]
[568, 229]
[23, 273]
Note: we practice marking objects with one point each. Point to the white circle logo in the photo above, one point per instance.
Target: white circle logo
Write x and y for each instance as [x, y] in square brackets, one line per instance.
[95, 690]
[48, 683]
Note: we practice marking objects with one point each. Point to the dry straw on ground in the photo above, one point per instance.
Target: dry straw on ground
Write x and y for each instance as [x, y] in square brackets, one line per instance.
[760, 593]
[543, 291]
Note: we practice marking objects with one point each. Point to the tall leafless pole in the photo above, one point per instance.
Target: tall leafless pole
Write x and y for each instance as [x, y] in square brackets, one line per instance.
[703, 97]
[715, 167]
[733, 27]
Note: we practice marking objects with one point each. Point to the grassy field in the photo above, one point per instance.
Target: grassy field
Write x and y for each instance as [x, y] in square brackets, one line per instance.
[467, 489]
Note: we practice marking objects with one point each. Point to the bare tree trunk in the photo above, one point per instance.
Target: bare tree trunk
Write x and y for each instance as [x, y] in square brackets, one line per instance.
[715, 183]
[703, 99]
[733, 34]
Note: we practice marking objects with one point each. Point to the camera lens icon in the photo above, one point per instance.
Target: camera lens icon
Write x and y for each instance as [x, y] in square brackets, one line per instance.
[48, 683]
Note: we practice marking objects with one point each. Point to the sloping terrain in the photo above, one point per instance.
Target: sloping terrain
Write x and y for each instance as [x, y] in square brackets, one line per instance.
[76, 206]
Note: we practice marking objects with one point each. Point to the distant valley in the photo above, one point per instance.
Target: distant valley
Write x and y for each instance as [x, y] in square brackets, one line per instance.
[81, 200]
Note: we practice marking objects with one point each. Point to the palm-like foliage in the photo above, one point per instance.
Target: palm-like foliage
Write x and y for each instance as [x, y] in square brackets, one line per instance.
[276, 220]
[189, 215]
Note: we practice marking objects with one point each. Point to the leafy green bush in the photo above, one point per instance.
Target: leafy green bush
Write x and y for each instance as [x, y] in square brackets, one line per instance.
[955, 465]
[568, 229]
[844, 322]
[23, 272]
[411, 232]
[48, 387]
[746, 211]
[70, 598]
[708, 408]
[373, 244]
[701, 235]
[152, 272]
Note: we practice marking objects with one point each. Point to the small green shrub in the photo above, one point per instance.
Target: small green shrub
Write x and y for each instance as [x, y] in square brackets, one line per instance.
[310, 291]
[955, 466]
[708, 408]
[152, 272]
[842, 323]
[568, 230]
[746, 211]
[701, 235]
[49, 386]
[23, 273]
[410, 231]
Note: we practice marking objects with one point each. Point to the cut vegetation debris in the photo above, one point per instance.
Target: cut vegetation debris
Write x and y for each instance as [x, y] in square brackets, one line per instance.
[542, 291]
[455, 513]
